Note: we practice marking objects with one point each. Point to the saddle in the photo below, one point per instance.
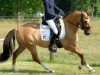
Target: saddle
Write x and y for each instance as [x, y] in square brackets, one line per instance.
[48, 31]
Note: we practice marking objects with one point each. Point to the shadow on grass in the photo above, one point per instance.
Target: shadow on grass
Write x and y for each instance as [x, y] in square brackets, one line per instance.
[95, 65]
[23, 71]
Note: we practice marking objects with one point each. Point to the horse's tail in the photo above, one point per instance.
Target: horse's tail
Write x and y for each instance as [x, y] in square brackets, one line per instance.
[8, 46]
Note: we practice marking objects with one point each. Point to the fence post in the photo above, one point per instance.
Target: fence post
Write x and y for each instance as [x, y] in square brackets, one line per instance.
[51, 56]
[18, 18]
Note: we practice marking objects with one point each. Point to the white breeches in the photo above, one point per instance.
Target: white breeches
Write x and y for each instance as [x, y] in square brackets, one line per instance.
[52, 25]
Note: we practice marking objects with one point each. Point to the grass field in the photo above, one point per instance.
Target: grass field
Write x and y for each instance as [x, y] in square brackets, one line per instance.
[65, 62]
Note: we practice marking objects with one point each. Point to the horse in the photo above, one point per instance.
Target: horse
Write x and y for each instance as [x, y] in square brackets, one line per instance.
[28, 36]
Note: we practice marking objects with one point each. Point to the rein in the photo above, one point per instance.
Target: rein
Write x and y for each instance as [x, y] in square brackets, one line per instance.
[81, 20]
[75, 24]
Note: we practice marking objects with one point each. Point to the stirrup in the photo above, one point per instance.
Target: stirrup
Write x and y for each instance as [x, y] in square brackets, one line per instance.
[53, 48]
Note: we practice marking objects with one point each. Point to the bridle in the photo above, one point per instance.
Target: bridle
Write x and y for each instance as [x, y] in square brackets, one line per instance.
[82, 24]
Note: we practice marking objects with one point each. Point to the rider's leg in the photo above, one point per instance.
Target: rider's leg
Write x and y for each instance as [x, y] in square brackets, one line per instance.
[52, 45]
[52, 25]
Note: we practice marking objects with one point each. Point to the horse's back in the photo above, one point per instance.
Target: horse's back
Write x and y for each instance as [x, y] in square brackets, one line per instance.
[27, 32]
[30, 34]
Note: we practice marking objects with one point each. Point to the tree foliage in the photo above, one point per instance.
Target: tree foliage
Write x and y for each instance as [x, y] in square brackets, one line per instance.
[12, 7]
[85, 5]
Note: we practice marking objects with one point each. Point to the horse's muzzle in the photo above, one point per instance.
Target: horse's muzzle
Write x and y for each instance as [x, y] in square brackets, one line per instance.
[87, 33]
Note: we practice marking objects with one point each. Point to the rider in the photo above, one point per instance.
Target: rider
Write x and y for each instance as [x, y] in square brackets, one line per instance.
[51, 12]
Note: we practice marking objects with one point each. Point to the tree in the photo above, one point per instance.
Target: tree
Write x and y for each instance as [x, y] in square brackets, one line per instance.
[12, 7]
[6, 7]
[65, 5]
[85, 5]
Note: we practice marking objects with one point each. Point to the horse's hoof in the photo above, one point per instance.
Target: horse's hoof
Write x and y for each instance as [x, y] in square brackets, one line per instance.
[91, 70]
[79, 67]
[14, 70]
[51, 71]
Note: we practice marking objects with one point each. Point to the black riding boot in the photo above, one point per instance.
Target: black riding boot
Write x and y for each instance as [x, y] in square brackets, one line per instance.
[52, 46]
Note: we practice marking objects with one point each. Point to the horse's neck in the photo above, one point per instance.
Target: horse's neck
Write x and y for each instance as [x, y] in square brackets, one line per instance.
[71, 24]
[72, 18]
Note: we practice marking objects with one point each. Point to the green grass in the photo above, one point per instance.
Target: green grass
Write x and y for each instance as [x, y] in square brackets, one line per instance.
[65, 62]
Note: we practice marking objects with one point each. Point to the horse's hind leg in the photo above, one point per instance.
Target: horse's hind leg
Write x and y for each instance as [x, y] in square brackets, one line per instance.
[32, 49]
[76, 49]
[18, 51]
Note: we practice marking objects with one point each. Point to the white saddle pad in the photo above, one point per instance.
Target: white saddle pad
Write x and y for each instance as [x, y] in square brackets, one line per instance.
[44, 32]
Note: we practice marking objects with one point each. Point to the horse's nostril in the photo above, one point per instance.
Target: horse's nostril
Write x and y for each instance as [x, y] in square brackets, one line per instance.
[87, 33]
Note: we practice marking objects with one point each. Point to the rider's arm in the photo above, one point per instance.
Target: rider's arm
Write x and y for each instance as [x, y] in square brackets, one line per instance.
[49, 7]
[59, 10]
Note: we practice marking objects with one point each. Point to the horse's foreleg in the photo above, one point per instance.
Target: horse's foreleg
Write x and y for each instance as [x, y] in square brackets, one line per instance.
[76, 49]
[35, 57]
[83, 61]
[18, 51]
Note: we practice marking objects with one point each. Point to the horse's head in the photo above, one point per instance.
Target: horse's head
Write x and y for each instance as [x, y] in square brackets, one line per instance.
[85, 23]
